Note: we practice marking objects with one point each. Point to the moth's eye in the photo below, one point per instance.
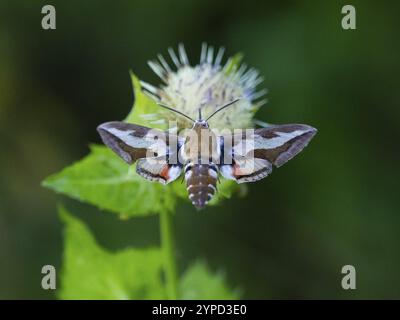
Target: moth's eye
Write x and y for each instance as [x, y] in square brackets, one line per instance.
[156, 154]
[155, 137]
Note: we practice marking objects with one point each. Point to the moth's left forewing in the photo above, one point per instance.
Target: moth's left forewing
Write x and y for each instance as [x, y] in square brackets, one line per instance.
[132, 142]
[155, 151]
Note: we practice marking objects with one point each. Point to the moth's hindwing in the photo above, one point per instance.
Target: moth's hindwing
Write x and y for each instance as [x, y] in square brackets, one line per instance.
[253, 157]
[158, 169]
[155, 150]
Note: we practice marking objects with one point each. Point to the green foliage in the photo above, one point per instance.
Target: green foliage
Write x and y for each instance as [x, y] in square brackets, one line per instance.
[225, 190]
[103, 179]
[199, 283]
[91, 272]
[143, 106]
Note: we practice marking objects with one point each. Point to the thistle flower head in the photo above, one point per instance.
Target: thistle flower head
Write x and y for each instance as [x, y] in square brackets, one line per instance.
[208, 86]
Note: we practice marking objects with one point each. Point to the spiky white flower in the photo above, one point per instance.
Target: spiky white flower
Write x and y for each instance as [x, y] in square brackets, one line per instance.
[208, 85]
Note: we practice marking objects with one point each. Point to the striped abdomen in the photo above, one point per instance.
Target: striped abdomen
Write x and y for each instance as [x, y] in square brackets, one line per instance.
[201, 181]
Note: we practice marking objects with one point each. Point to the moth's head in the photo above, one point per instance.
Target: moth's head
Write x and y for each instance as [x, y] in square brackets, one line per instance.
[200, 124]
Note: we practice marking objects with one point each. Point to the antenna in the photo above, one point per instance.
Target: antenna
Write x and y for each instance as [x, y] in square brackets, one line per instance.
[174, 110]
[223, 107]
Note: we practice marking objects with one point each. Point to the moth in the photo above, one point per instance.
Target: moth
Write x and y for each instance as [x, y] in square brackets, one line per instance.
[203, 155]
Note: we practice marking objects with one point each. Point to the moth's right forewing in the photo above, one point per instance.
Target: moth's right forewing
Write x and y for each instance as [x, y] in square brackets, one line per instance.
[255, 152]
[131, 141]
[278, 144]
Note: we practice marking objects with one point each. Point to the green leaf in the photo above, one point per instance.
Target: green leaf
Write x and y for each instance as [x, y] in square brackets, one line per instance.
[104, 180]
[90, 272]
[226, 188]
[144, 107]
[198, 282]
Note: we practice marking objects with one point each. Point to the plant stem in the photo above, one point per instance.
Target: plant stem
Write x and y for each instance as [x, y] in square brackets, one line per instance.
[168, 248]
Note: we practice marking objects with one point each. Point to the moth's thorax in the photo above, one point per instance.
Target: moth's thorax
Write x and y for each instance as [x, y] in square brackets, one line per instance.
[201, 145]
[200, 153]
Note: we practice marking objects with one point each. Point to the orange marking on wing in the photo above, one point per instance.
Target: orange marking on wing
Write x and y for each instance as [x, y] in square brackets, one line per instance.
[165, 172]
[237, 171]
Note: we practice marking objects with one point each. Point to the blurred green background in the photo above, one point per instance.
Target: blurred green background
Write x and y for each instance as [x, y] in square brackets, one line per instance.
[335, 204]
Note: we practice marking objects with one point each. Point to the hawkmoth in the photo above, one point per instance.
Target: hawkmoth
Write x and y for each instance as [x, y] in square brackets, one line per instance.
[203, 155]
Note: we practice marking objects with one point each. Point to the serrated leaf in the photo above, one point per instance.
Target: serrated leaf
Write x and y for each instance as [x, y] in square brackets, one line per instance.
[103, 179]
[143, 108]
[91, 272]
[199, 283]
